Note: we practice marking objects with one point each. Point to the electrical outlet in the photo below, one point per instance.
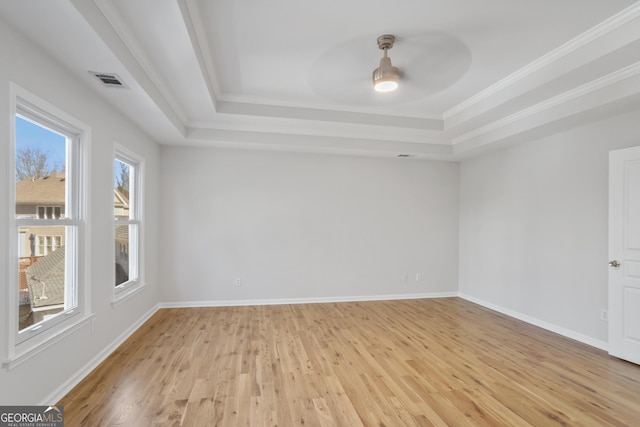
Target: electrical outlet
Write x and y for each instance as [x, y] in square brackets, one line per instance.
[405, 277]
[418, 277]
[604, 315]
[238, 282]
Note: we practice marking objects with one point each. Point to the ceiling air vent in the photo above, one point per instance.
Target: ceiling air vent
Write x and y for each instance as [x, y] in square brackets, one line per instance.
[109, 80]
[404, 156]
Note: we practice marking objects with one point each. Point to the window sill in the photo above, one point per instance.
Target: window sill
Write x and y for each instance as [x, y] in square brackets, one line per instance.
[27, 350]
[124, 294]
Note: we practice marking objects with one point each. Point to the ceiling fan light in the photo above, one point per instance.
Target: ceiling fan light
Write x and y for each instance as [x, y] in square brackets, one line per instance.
[386, 76]
[386, 86]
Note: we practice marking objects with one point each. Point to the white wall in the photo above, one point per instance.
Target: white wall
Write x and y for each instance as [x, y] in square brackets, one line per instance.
[43, 376]
[533, 227]
[300, 226]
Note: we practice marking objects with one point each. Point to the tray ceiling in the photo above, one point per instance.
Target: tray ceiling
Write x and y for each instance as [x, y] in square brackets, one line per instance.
[296, 75]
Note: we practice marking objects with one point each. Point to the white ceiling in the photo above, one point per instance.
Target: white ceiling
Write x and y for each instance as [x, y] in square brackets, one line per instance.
[296, 75]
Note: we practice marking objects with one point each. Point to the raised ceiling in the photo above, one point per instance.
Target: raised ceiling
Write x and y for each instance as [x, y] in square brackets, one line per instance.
[296, 75]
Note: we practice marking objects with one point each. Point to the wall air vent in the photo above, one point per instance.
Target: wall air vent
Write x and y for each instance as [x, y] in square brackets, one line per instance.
[404, 156]
[109, 80]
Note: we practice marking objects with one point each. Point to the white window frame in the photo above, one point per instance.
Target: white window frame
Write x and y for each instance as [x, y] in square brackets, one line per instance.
[135, 251]
[25, 344]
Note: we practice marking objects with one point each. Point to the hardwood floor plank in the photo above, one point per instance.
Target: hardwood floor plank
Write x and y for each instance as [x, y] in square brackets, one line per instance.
[440, 362]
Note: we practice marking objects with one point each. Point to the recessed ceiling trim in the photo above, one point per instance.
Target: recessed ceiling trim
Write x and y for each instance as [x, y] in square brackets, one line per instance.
[189, 9]
[332, 130]
[328, 115]
[620, 19]
[468, 123]
[97, 16]
[551, 122]
[320, 143]
[223, 104]
[595, 94]
[118, 24]
[389, 111]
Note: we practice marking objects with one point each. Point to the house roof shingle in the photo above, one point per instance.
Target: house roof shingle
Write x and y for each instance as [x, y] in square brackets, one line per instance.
[48, 271]
[48, 190]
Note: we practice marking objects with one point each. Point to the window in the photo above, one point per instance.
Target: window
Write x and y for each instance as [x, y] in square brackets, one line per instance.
[127, 218]
[48, 244]
[48, 295]
[49, 212]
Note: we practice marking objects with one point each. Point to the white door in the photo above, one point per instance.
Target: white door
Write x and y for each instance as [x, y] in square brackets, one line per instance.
[624, 254]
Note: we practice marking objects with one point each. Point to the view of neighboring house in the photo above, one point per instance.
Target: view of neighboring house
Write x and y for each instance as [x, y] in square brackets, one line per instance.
[42, 198]
[121, 211]
[41, 248]
[41, 273]
[45, 279]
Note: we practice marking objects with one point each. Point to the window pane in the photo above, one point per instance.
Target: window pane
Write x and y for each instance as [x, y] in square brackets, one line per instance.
[126, 253]
[40, 171]
[126, 170]
[42, 279]
[122, 178]
[122, 254]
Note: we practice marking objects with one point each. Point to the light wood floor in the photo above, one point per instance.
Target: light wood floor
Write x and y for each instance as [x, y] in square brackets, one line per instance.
[441, 362]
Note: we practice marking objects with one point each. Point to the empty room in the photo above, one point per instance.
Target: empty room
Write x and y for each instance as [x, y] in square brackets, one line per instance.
[228, 213]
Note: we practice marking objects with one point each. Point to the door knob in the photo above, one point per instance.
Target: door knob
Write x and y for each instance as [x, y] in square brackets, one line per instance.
[614, 263]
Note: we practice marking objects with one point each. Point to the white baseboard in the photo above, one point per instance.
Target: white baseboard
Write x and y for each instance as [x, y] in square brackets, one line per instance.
[66, 387]
[230, 303]
[537, 322]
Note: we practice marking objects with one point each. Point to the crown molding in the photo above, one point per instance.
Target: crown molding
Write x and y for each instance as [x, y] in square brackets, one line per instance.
[605, 27]
[318, 128]
[389, 112]
[594, 85]
[302, 113]
[611, 95]
[318, 143]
